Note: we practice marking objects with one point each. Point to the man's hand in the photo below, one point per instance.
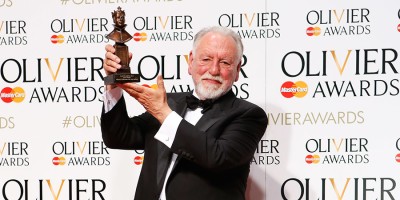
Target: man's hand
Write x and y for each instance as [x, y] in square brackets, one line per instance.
[111, 62]
[153, 100]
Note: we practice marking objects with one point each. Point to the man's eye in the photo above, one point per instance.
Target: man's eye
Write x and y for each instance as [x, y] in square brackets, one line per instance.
[205, 60]
[225, 64]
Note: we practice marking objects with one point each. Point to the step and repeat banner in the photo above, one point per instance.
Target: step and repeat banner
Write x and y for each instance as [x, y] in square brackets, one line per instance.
[326, 73]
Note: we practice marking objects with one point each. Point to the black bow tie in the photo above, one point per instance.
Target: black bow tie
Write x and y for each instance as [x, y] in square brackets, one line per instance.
[193, 103]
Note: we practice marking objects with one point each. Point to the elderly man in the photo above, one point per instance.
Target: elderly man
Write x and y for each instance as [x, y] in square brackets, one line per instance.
[191, 153]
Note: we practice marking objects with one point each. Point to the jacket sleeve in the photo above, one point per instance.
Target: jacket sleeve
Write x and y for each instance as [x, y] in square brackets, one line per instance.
[119, 131]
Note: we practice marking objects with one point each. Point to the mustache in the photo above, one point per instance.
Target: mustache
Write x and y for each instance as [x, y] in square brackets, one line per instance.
[209, 76]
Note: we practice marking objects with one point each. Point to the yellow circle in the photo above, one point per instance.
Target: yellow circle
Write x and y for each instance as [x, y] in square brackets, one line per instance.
[154, 86]
[143, 36]
[19, 94]
[301, 89]
[316, 159]
[60, 39]
[62, 161]
[317, 31]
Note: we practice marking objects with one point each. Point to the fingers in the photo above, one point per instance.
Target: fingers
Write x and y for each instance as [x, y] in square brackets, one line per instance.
[153, 99]
[110, 48]
[132, 89]
[160, 82]
[130, 56]
[111, 61]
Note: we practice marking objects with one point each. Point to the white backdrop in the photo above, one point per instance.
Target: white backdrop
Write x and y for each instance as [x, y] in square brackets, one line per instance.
[325, 72]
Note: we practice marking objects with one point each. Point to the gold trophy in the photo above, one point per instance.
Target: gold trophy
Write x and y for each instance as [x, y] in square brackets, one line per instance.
[120, 36]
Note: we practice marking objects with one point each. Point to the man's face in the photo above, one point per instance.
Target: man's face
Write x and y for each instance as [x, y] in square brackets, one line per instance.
[120, 19]
[214, 66]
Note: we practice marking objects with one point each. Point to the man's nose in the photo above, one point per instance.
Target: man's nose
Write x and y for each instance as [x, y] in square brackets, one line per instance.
[214, 68]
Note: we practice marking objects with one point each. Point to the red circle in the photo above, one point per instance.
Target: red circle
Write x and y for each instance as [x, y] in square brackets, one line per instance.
[398, 158]
[56, 161]
[137, 37]
[287, 94]
[309, 159]
[4, 92]
[398, 27]
[54, 39]
[310, 31]
[138, 160]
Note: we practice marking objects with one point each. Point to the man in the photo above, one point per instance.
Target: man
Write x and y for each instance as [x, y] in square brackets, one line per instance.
[190, 153]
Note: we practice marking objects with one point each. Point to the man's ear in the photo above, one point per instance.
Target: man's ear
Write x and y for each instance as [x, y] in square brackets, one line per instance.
[190, 62]
[238, 71]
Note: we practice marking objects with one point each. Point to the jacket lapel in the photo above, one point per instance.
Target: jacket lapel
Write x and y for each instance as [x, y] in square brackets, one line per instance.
[164, 153]
[217, 111]
[163, 159]
[210, 117]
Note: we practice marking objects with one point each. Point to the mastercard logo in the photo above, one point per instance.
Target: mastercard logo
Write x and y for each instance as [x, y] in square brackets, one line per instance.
[140, 37]
[298, 89]
[9, 95]
[58, 161]
[398, 158]
[138, 160]
[313, 31]
[57, 39]
[312, 159]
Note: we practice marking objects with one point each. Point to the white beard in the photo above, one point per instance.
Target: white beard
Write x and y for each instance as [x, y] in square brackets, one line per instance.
[211, 91]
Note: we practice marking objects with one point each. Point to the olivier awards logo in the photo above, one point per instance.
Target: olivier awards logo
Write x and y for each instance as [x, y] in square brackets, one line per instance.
[257, 25]
[80, 153]
[171, 28]
[13, 32]
[338, 22]
[267, 153]
[78, 31]
[14, 154]
[337, 151]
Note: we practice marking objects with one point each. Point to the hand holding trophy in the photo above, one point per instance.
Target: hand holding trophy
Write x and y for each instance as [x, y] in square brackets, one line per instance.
[121, 36]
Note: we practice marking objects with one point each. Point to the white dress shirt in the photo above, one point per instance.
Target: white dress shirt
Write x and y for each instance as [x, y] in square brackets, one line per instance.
[166, 133]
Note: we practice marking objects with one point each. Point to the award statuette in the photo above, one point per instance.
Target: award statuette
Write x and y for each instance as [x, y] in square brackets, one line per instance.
[120, 36]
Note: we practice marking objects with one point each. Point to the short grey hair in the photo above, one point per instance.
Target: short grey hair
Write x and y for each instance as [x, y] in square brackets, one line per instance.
[224, 31]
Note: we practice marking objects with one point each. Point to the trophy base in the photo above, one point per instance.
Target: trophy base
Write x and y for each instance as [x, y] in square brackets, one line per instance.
[121, 78]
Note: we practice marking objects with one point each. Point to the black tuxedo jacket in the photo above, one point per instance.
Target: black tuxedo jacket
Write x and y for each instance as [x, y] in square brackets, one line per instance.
[213, 156]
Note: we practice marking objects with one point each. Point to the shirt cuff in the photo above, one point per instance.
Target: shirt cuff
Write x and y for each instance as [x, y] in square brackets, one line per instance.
[166, 133]
[111, 97]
